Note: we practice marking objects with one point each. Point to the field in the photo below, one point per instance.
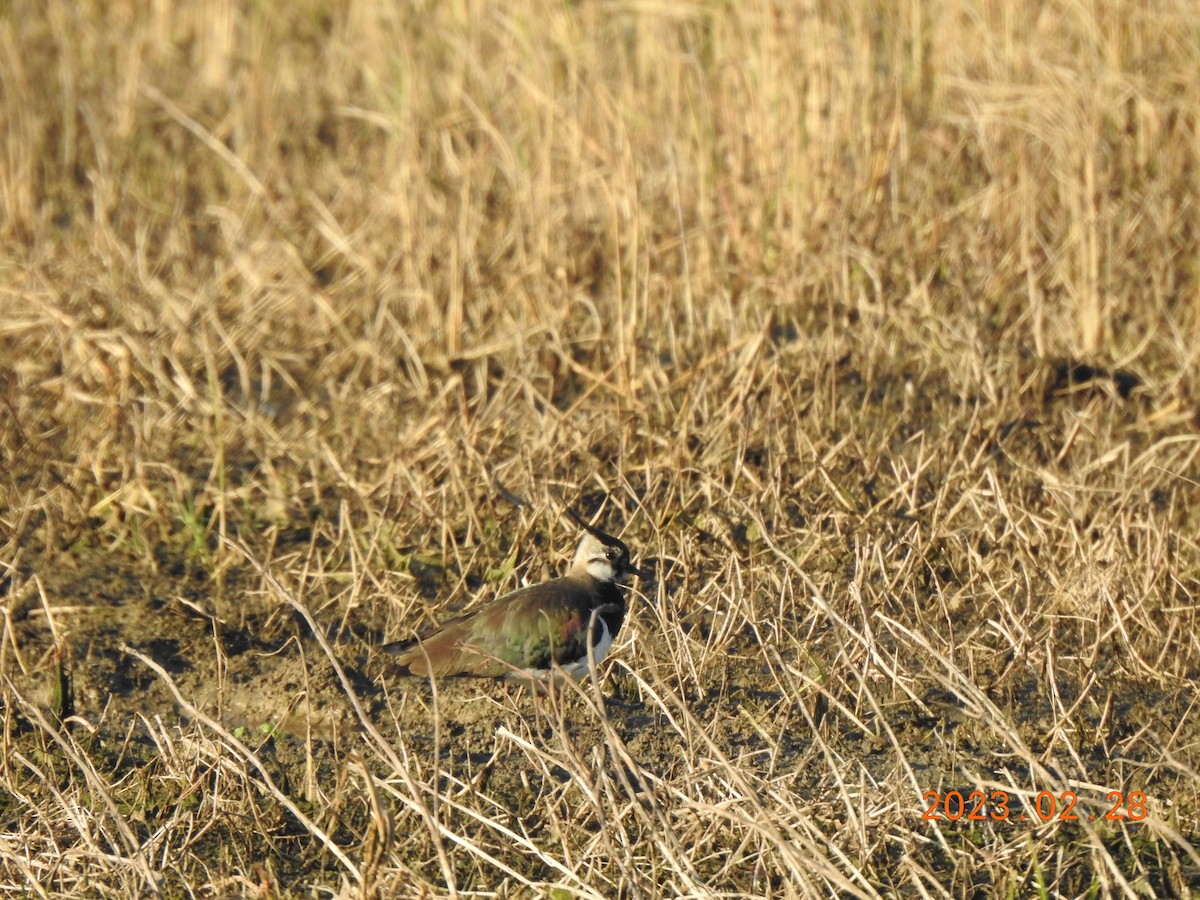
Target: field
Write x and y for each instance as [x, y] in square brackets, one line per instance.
[872, 328]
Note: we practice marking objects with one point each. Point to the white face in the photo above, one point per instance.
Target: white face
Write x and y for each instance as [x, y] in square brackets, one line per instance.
[601, 569]
[599, 559]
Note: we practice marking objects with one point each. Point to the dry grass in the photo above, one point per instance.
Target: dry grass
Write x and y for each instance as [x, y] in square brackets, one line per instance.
[803, 296]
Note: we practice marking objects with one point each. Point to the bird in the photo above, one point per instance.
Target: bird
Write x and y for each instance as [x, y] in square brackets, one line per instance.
[536, 632]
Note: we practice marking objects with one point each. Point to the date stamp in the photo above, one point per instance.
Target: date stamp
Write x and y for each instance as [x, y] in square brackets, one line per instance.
[1047, 806]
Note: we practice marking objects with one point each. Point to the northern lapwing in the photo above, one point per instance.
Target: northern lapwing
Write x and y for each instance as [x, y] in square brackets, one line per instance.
[536, 631]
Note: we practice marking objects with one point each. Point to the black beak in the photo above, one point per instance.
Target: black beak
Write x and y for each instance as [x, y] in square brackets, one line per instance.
[634, 570]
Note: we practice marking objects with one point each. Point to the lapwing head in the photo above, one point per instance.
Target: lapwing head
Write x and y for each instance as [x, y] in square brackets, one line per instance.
[602, 562]
[602, 556]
